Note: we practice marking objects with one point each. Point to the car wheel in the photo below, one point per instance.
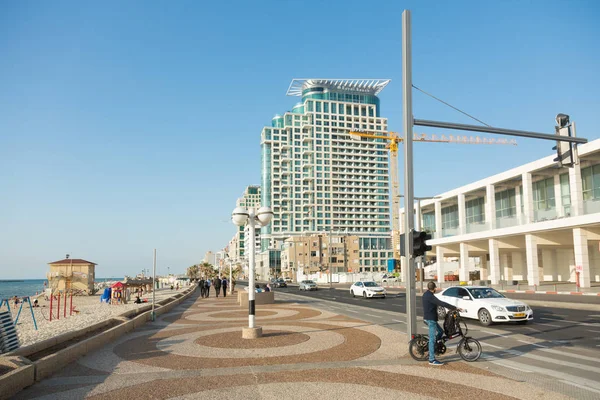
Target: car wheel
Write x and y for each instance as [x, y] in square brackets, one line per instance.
[352, 293]
[365, 295]
[484, 317]
[441, 312]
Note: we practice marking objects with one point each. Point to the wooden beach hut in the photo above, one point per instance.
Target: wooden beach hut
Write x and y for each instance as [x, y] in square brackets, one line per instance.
[72, 275]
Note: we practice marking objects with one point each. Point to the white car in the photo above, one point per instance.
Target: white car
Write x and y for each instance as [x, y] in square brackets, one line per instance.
[307, 285]
[367, 289]
[390, 279]
[485, 304]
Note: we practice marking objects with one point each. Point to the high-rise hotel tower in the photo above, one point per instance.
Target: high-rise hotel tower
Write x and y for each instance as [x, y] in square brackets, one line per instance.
[318, 178]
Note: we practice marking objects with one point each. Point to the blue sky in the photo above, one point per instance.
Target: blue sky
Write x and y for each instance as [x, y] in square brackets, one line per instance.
[128, 126]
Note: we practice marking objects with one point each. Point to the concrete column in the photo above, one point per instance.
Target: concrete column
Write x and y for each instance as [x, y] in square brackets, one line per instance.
[518, 205]
[462, 214]
[490, 207]
[494, 261]
[517, 265]
[483, 269]
[438, 219]
[527, 197]
[439, 255]
[558, 197]
[506, 267]
[576, 188]
[531, 253]
[548, 264]
[580, 246]
[463, 273]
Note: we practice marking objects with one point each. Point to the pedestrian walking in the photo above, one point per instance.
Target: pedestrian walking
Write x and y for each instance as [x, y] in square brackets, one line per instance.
[207, 287]
[217, 285]
[202, 288]
[224, 286]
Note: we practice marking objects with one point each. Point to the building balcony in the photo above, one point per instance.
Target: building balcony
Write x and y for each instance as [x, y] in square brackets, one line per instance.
[477, 227]
[450, 231]
[545, 215]
[591, 206]
[506, 222]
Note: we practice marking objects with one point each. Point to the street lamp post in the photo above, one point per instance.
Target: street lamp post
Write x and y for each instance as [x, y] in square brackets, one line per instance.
[241, 217]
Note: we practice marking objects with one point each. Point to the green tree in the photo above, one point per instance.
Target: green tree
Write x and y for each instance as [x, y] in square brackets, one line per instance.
[193, 271]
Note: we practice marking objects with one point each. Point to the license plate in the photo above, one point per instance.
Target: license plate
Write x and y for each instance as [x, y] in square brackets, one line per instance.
[519, 315]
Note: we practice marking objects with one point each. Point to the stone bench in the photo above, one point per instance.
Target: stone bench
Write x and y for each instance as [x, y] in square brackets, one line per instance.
[260, 298]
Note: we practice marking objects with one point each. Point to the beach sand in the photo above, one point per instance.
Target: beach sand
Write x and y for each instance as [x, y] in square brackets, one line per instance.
[90, 312]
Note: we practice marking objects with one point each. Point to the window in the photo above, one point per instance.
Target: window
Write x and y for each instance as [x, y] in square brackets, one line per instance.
[429, 221]
[475, 210]
[450, 217]
[506, 203]
[565, 192]
[543, 194]
[590, 178]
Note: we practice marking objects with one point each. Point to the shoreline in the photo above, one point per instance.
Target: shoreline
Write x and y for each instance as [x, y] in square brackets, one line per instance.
[89, 312]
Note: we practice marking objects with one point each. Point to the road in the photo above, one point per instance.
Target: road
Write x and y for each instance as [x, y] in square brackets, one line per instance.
[561, 343]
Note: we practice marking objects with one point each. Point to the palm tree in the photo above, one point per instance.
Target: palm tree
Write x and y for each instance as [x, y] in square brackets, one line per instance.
[192, 272]
[207, 270]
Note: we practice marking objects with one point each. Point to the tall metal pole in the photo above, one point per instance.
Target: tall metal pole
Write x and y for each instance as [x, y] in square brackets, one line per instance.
[251, 290]
[420, 260]
[330, 267]
[153, 285]
[407, 115]
[230, 277]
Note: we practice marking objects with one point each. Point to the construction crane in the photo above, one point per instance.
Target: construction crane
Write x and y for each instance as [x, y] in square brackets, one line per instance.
[393, 138]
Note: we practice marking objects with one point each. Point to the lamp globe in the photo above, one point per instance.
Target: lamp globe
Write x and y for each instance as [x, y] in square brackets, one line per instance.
[239, 216]
[264, 215]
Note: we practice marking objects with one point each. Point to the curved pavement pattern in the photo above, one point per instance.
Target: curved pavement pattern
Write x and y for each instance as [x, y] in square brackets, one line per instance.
[196, 351]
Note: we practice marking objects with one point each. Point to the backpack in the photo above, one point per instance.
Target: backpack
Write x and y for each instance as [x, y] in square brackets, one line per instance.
[452, 324]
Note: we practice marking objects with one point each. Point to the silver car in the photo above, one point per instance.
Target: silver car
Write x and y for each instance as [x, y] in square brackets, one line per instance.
[307, 285]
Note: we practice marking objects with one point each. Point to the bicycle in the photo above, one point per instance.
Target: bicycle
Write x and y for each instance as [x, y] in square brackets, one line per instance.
[468, 348]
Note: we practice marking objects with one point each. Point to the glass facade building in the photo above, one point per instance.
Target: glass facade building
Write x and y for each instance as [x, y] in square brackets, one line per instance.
[318, 178]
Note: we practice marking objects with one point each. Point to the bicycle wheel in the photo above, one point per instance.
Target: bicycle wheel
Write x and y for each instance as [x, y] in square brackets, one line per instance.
[469, 349]
[419, 348]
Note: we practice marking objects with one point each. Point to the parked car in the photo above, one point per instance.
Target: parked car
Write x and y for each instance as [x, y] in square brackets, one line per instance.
[389, 279]
[307, 285]
[287, 279]
[367, 289]
[485, 304]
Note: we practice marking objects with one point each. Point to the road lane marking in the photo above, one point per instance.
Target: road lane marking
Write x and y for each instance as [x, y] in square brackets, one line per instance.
[580, 386]
[495, 334]
[589, 330]
[397, 320]
[555, 326]
[371, 315]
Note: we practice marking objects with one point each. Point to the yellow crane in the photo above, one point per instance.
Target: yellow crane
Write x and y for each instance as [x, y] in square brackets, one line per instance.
[393, 138]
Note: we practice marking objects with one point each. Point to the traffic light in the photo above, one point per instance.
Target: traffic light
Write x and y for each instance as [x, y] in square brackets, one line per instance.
[564, 150]
[419, 245]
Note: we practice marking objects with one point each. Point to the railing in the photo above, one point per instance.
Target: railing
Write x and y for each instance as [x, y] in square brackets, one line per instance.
[506, 222]
[545, 215]
[591, 206]
[477, 227]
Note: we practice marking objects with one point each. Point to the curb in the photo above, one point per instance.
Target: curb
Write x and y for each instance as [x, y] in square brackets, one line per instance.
[28, 372]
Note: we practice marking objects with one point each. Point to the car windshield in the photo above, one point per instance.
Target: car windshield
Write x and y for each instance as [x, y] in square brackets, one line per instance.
[485, 293]
[308, 282]
[370, 284]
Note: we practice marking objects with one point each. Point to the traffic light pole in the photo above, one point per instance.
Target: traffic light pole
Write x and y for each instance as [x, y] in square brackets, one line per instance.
[407, 115]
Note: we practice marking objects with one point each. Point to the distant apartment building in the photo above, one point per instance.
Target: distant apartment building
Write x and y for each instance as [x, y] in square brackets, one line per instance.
[317, 178]
[535, 223]
[241, 240]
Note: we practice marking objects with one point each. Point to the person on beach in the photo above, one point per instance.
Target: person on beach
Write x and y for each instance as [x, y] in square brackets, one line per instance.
[224, 286]
[138, 300]
[16, 300]
[207, 287]
[217, 285]
[35, 303]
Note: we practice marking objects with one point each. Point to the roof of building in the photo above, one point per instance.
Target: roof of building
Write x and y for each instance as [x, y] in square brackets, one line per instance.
[72, 261]
[369, 86]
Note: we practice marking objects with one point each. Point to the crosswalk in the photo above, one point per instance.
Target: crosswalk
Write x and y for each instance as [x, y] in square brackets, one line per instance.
[567, 366]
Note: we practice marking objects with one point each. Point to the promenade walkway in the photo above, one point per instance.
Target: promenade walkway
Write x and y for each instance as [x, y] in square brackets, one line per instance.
[196, 351]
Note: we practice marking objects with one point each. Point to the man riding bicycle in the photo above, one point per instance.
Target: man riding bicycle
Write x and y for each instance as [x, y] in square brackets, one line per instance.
[430, 316]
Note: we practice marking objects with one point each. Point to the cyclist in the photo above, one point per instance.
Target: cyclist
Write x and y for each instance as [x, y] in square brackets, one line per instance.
[430, 316]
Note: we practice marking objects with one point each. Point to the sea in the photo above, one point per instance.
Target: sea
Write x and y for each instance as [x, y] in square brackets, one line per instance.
[29, 287]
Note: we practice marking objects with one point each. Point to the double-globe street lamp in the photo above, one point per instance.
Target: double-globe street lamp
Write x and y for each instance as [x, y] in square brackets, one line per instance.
[240, 217]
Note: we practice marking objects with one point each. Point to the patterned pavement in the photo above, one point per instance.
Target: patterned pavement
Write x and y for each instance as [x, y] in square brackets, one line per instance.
[198, 350]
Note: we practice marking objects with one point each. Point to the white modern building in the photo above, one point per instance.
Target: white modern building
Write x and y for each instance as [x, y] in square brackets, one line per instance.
[318, 178]
[536, 223]
[240, 242]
